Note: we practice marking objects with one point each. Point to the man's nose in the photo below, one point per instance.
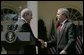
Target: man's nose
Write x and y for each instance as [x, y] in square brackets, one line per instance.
[57, 16]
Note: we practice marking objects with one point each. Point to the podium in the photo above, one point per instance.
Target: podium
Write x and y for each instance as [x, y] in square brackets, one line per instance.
[12, 41]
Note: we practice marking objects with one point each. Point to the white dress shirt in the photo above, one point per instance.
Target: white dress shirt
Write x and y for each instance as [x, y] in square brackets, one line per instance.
[63, 23]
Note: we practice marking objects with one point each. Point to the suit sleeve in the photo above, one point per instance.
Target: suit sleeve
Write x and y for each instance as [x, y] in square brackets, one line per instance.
[71, 36]
[51, 43]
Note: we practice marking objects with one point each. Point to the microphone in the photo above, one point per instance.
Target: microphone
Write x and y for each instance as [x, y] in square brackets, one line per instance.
[15, 27]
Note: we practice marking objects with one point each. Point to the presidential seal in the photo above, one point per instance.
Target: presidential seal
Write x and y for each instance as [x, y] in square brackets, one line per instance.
[10, 36]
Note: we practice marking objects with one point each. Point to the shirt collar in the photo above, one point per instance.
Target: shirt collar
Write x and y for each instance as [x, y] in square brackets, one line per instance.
[64, 21]
[24, 20]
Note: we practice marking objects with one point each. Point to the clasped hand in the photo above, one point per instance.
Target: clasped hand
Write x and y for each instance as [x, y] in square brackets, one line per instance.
[42, 43]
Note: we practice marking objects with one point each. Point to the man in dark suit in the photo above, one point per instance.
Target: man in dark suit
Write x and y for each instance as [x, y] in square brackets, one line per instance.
[23, 25]
[65, 34]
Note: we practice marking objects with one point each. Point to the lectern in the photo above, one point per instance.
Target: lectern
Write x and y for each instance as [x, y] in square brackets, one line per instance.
[12, 41]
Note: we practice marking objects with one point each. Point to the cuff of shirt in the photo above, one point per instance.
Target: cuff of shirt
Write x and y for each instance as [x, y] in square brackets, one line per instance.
[45, 44]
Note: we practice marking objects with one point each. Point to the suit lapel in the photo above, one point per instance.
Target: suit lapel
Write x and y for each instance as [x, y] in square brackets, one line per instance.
[62, 31]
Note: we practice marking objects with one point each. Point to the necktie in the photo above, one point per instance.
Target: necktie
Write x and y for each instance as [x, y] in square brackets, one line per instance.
[59, 27]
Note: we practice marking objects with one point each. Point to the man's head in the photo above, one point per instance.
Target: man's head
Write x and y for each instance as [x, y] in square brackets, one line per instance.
[62, 14]
[26, 14]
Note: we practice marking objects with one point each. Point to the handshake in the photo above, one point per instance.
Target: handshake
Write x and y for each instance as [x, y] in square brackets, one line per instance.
[42, 43]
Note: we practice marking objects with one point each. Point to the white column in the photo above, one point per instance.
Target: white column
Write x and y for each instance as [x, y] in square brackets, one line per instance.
[33, 5]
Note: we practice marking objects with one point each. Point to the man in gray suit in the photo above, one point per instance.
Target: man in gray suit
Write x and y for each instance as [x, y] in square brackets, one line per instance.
[25, 17]
[65, 34]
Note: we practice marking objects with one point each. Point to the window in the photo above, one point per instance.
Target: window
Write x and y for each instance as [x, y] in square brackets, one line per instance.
[75, 14]
[8, 18]
[77, 19]
[8, 14]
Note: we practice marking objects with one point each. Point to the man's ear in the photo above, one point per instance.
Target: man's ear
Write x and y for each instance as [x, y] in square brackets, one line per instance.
[24, 15]
[65, 15]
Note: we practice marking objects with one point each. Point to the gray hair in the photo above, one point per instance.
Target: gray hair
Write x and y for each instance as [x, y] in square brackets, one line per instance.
[23, 12]
[64, 11]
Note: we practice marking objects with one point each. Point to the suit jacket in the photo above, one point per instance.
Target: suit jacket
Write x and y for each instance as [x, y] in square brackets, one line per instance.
[65, 39]
[18, 25]
[21, 26]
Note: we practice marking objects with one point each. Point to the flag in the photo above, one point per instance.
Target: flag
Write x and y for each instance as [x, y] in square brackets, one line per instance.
[52, 36]
[79, 43]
